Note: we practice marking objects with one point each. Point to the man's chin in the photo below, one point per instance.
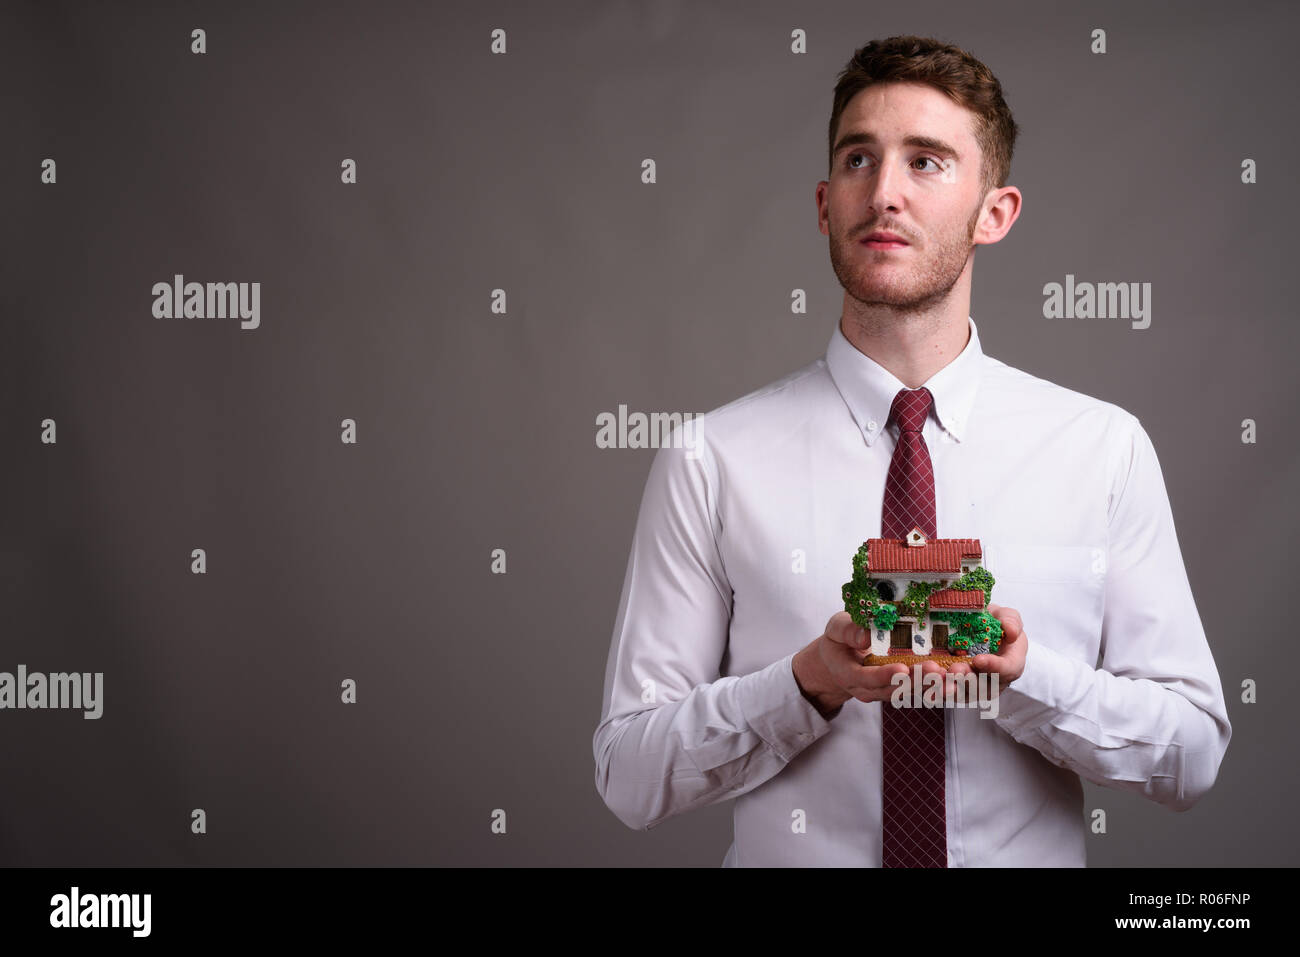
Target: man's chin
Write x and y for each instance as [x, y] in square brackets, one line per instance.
[890, 296]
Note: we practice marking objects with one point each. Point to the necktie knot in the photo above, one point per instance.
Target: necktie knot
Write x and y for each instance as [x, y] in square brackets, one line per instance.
[910, 408]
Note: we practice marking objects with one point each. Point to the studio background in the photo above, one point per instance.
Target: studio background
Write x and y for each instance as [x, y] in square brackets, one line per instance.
[475, 430]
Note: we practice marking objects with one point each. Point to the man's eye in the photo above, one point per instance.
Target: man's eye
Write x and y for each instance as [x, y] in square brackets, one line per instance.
[849, 161]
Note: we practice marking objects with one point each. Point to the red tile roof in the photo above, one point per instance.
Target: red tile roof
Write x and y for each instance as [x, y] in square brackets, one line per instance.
[950, 599]
[936, 555]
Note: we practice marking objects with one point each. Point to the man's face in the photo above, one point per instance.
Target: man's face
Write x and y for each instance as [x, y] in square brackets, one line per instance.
[879, 181]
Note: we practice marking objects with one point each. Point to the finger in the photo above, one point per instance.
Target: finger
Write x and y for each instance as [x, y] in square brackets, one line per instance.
[950, 682]
[870, 688]
[1012, 626]
[879, 676]
[847, 668]
[842, 630]
[992, 664]
[871, 682]
[839, 657]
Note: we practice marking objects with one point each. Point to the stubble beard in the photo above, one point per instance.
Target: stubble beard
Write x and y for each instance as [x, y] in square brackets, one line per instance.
[927, 285]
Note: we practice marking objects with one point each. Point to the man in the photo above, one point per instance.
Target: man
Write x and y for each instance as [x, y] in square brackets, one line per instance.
[745, 539]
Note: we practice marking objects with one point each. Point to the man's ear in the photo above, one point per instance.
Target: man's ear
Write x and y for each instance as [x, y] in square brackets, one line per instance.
[819, 195]
[1001, 211]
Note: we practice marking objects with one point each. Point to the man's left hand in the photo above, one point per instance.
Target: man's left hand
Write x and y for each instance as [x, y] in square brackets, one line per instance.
[1009, 663]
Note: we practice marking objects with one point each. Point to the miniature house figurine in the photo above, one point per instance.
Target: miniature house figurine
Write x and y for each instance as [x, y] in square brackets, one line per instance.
[922, 600]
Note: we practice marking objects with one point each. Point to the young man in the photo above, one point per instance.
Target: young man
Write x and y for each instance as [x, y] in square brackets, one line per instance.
[744, 541]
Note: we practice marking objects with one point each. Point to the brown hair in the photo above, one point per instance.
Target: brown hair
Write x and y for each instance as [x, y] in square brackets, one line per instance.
[948, 69]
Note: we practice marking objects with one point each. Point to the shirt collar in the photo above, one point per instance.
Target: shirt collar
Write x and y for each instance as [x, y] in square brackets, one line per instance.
[869, 388]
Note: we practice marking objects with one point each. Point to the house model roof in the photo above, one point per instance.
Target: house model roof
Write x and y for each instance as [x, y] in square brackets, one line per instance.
[916, 553]
[950, 599]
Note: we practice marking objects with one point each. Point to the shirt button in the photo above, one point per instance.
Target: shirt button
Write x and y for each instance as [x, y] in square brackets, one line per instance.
[871, 426]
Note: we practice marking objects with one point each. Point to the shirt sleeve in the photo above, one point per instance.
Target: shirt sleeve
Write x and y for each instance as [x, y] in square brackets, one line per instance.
[674, 734]
[1151, 718]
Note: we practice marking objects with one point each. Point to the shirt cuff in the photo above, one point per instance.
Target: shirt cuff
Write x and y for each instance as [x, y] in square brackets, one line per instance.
[775, 708]
[1031, 700]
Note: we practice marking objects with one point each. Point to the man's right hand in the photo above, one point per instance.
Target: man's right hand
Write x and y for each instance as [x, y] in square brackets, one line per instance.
[829, 670]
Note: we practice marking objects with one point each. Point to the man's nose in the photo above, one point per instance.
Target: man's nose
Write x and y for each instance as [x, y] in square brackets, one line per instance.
[885, 184]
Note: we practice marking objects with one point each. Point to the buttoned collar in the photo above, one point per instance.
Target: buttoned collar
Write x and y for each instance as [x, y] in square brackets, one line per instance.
[869, 388]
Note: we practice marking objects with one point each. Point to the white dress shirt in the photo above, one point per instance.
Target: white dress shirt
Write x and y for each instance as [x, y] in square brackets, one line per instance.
[743, 543]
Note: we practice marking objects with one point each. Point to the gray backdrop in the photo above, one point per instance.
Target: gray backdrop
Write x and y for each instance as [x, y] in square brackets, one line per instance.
[475, 430]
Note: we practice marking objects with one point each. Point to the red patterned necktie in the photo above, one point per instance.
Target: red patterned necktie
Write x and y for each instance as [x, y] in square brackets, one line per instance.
[913, 821]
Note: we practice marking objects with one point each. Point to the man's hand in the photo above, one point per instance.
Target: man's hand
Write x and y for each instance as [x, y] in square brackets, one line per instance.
[1009, 663]
[830, 671]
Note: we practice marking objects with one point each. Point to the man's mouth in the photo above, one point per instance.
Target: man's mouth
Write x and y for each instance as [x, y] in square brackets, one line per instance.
[883, 240]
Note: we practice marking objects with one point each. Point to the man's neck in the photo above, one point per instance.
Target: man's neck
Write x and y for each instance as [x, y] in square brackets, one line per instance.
[912, 347]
